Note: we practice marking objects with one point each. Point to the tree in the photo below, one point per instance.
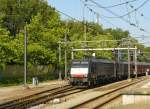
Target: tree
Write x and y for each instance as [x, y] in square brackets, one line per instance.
[117, 33]
[19, 12]
[44, 34]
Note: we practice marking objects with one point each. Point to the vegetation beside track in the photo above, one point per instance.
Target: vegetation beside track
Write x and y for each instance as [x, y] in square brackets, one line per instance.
[44, 29]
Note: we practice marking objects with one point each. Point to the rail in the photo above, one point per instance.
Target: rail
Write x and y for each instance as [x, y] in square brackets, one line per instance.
[104, 98]
[39, 98]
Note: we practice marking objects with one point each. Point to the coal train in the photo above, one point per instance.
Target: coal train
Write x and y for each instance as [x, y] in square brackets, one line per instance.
[91, 72]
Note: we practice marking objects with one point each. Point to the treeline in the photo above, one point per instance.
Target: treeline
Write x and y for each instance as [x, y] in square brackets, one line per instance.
[44, 29]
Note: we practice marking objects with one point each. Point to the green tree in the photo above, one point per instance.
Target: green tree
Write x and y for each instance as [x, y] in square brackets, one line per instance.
[19, 12]
[44, 35]
[117, 33]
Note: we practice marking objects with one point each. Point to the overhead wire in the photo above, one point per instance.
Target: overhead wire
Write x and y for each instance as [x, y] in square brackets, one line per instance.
[94, 12]
[141, 15]
[128, 21]
[116, 5]
[79, 20]
[137, 23]
[116, 15]
[119, 4]
[128, 6]
[91, 10]
[126, 14]
[129, 17]
[92, 28]
[136, 9]
[101, 16]
[74, 19]
[67, 15]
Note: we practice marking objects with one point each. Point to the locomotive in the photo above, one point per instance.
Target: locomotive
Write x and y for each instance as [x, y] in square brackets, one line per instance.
[92, 72]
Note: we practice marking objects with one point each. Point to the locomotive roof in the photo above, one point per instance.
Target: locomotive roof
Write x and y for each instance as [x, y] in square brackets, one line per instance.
[108, 61]
[103, 60]
[93, 60]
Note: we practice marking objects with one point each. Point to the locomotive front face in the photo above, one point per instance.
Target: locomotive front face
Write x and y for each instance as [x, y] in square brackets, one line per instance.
[79, 72]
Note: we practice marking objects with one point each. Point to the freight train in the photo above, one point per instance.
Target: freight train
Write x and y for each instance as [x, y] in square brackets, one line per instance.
[91, 72]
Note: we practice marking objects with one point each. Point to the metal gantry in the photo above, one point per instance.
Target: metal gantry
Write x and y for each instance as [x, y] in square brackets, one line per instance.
[108, 49]
[97, 49]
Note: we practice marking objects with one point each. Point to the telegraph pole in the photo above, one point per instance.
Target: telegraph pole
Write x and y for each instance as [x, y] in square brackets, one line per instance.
[59, 49]
[118, 60]
[135, 59]
[66, 52]
[25, 56]
[128, 63]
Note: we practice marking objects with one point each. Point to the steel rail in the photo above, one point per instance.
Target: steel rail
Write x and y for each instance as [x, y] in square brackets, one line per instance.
[41, 98]
[12, 102]
[108, 93]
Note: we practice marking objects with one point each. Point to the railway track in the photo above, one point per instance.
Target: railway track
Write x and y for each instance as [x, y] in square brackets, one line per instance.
[39, 98]
[100, 100]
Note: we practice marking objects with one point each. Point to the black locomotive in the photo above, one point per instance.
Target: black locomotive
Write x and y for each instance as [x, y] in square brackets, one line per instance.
[91, 72]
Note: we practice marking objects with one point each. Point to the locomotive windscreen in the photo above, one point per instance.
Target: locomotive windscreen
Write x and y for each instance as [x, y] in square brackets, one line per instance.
[79, 69]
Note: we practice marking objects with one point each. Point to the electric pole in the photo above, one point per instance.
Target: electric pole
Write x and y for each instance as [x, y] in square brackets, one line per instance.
[25, 56]
[135, 59]
[128, 59]
[66, 51]
[128, 63]
[59, 49]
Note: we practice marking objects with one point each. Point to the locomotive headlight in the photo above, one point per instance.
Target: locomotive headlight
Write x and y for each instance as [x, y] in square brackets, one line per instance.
[147, 70]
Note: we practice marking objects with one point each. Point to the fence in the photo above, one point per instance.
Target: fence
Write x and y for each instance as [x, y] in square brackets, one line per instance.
[15, 73]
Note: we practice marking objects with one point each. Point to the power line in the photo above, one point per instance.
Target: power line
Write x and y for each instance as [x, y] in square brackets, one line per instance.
[67, 15]
[74, 19]
[126, 14]
[80, 21]
[119, 4]
[95, 13]
[129, 17]
[90, 9]
[115, 5]
[100, 6]
[125, 20]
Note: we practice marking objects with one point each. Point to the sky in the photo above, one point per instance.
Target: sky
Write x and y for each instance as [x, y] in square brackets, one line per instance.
[140, 17]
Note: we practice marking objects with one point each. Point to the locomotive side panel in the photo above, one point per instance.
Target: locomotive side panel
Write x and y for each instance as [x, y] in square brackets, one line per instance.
[105, 71]
[121, 70]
